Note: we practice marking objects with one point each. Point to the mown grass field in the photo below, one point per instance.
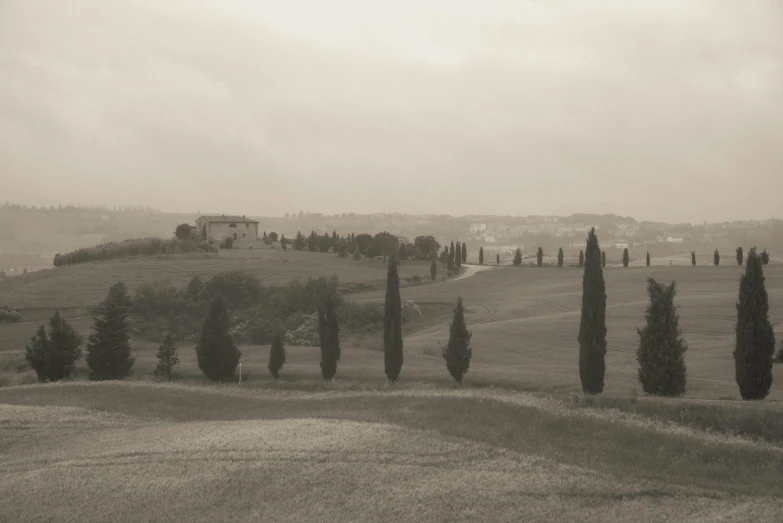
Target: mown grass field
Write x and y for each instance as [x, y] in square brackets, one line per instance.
[144, 452]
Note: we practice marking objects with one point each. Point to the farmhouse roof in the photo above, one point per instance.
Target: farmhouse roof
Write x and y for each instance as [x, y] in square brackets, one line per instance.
[227, 218]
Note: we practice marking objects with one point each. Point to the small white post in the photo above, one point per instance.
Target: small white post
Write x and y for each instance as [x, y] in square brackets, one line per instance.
[240, 373]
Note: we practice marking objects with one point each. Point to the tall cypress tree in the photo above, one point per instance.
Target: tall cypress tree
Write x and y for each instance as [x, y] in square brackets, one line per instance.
[167, 357]
[755, 338]
[481, 255]
[764, 257]
[458, 255]
[517, 257]
[392, 325]
[53, 354]
[560, 257]
[216, 352]
[276, 356]
[716, 258]
[626, 257]
[312, 243]
[283, 242]
[498, 258]
[661, 352]
[648, 258]
[603, 259]
[433, 269]
[330, 340]
[540, 257]
[451, 255]
[693, 258]
[458, 352]
[592, 326]
[464, 253]
[108, 349]
[740, 256]
[581, 258]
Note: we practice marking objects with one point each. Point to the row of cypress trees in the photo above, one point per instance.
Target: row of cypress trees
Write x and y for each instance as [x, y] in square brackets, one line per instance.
[661, 349]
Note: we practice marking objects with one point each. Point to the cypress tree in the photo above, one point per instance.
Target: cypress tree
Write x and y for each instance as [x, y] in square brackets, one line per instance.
[108, 349]
[167, 357]
[603, 259]
[560, 258]
[53, 355]
[581, 258]
[661, 352]
[540, 257]
[392, 325]
[451, 256]
[312, 243]
[276, 356]
[330, 340]
[217, 355]
[755, 338]
[517, 257]
[464, 253]
[740, 256]
[716, 258]
[481, 255]
[458, 352]
[764, 257]
[433, 269]
[335, 239]
[693, 258]
[648, 258]
[626, 258]
[592, 326]
[299, 242]
[498, 258]
[458, 255]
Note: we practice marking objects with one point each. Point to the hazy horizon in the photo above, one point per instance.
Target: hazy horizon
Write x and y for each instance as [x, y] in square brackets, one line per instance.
[671, 112]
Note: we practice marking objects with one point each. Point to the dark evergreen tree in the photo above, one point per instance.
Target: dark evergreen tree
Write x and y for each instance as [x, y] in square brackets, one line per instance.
[497, 260]
[693, 258]
[560, 257]
[265, 235]
[603, 259]
[540, 257]
[764, 257]
[626, 258]
[648, 258]
[276, 356]
[335, 240]
[392, 325]
[312, 242]
[592, 326]
[517, 257]
[299, 242]
[458, 352]
[433, 270]
[217, 355]
[740, 256]
[464, 253]
[167, 357]
[53, 355]
[755, 338]
[716, 258]
[581, 258]
[780, 354]
[108, 349]
[661, 352]
[481, 255]
[403, 252]
[330, 340]
[283, 242]
[194, 288]
[458, 256]
[452, 261]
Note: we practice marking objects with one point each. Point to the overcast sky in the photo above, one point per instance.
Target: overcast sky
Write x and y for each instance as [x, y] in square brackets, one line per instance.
[673, 111]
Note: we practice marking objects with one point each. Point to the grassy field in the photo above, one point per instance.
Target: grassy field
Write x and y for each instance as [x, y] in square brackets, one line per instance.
[84, 285]
[142, 452]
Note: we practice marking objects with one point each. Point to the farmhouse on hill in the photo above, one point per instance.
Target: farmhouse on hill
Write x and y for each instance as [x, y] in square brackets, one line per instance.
[238, 228]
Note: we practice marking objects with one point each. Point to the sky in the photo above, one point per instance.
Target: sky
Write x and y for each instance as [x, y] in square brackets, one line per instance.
[669, 110]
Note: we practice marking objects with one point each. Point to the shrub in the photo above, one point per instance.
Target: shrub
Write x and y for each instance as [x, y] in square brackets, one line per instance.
[273, 236]
[357, 255]
[238, 289]
[276, 356]
[130, 247]
[109, 350]
[305, 334]
[53, 354]
[458, 351]
[227, 243]
[217, 355]
[661, 352]
[167, 357]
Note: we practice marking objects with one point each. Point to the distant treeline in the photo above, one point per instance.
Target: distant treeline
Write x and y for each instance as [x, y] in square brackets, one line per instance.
[131, 247]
